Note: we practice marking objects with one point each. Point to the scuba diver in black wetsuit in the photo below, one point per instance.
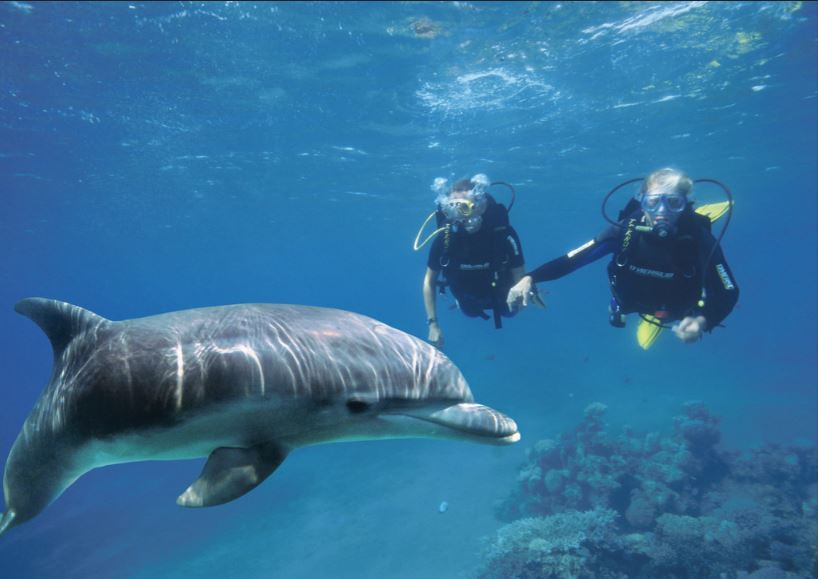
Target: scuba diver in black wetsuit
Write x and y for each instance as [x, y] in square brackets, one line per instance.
[666, 264]
[475, 249]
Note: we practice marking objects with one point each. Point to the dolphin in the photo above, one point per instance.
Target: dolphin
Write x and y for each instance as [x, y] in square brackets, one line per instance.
[241, 384]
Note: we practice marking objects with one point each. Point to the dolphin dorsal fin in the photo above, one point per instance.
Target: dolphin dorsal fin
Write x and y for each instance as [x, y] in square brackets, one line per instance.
[60, 321]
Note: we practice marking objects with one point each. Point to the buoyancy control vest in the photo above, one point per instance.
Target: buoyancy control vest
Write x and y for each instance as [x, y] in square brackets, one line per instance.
[658, 276]
[459, 255]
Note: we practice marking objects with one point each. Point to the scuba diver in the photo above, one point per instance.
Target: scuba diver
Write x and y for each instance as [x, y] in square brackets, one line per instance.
[666, 264]
[475, 250]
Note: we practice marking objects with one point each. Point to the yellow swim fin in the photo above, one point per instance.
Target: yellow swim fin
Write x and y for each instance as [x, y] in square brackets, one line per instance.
[647, 332]
[714, 210]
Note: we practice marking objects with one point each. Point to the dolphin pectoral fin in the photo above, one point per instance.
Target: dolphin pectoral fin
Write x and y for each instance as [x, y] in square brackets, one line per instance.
[5, 520]
[230, 473]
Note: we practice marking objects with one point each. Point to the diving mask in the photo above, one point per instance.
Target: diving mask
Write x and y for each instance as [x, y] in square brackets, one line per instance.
[465, 210]
[458, 209]
[674, 203]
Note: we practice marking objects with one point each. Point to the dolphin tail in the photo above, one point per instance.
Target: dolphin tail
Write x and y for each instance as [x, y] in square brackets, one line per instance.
[60, 321]
[230, 473]
[5, 520]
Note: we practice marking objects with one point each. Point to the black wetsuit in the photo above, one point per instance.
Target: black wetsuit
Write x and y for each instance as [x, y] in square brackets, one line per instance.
[477, 266]
[658, 276]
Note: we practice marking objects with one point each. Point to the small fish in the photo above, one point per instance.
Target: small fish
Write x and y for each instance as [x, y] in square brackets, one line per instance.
[444, 506]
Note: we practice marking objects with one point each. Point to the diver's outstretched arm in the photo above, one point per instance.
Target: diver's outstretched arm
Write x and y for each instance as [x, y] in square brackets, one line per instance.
[597, 248]
[589, 252]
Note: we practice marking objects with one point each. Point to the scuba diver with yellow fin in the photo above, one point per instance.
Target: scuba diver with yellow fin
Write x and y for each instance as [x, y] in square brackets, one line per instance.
[475, 252]
[666, 264]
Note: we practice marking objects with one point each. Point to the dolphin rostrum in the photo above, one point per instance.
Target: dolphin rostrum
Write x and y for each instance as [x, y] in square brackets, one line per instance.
[241, 384]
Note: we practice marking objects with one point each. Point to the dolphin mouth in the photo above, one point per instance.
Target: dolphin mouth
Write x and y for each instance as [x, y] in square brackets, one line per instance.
[470, 420]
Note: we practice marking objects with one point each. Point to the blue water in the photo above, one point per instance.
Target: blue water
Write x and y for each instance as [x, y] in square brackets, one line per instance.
[165, 156]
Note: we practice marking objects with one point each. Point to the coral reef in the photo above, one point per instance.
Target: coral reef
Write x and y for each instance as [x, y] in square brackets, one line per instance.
[592, 504]
[557, 546]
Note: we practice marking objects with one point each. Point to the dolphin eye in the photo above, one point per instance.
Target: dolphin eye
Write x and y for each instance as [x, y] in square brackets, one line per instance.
[357, 406]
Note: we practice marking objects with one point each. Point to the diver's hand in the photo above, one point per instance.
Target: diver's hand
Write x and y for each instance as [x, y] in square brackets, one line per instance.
[690, 329]
[521, 293]
[435, 336]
